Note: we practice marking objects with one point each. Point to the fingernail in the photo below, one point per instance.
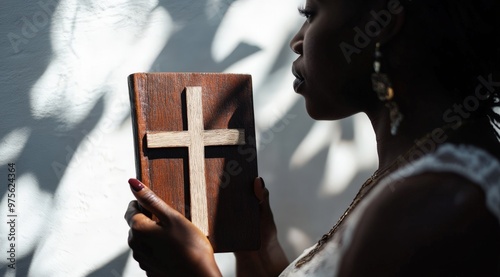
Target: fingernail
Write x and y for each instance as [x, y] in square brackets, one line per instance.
[262, 182]
[135, 184]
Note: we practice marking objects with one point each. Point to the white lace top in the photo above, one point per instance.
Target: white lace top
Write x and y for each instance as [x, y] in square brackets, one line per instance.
[468, 161]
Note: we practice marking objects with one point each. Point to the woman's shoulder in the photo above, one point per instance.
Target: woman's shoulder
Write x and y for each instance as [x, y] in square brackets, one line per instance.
[426, 218]
[426, 223]
[464, 174]
[457, 182]
[436, 212]
[448, 198]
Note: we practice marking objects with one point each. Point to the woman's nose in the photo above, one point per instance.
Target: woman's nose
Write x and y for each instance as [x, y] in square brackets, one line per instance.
[297, 42]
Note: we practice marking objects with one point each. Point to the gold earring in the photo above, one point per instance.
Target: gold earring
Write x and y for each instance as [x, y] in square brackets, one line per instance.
[382, 86]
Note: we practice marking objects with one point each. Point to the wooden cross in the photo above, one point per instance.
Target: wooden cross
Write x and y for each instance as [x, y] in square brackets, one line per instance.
[195, 147]
[196, 138]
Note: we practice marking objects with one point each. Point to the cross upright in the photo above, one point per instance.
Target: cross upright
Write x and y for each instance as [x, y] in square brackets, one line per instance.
[195, 138]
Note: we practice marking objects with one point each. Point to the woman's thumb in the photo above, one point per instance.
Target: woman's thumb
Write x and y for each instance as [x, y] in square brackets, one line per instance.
[260, 190]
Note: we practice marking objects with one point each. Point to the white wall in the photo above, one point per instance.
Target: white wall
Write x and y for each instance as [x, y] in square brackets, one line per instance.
[65, 122]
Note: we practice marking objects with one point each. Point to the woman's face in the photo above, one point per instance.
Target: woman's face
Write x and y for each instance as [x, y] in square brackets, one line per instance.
[332, 86]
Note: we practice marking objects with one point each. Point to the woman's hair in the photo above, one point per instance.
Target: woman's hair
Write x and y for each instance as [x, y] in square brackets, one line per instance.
[464, 37]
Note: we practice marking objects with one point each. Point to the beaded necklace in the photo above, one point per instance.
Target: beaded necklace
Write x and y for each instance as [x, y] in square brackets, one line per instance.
[365, 189]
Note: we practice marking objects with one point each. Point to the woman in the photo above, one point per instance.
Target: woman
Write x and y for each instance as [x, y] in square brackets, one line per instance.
[427, 75]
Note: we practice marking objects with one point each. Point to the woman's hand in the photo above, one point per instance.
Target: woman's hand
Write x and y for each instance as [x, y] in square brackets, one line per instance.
[171, 247]
[270, 260]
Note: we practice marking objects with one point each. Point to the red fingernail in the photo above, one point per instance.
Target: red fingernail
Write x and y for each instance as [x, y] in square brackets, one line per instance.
[135, 184]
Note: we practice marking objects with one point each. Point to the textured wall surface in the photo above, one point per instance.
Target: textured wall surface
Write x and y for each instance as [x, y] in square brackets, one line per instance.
[65, 123]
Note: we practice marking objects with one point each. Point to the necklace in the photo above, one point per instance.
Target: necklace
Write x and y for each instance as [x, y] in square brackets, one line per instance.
[366, 188]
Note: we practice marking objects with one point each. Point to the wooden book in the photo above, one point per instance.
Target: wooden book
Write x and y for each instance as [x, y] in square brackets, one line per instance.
[194, 137]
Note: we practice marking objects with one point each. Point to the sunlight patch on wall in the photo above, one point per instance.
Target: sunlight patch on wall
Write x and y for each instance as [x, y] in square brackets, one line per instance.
[273, 106]
[298, 239]
[366, 142]
[322, 135]
[259, 25]
[341, 167]
[346, 158]
[95, 48]
[13, 144]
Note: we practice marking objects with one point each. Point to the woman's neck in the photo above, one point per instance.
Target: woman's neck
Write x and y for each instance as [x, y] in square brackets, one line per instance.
[423, 103]
[420, 138]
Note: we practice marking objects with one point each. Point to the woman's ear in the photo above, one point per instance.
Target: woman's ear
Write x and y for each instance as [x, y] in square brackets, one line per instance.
[394, 14]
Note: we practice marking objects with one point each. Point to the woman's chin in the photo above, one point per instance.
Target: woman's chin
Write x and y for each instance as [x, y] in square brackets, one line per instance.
[316, 113]
[325, 113]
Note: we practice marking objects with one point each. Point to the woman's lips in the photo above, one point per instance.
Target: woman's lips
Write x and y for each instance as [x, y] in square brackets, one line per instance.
[298, 81]
[296, 84]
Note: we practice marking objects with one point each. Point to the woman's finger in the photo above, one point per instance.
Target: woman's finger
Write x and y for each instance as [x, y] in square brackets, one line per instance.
[133, 209]
[135, 218]
[262, 194]
[261, 191]
[151, 202]
[143, 261]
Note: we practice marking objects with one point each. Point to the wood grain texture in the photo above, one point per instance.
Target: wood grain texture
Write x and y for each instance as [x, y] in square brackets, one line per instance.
[225, 137]
[182, 138]
[196, 154]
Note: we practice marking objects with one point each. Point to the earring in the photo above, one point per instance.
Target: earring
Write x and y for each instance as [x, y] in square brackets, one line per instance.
[383, 87]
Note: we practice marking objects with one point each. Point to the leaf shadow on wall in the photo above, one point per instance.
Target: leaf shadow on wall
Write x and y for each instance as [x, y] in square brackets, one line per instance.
[49, 146]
